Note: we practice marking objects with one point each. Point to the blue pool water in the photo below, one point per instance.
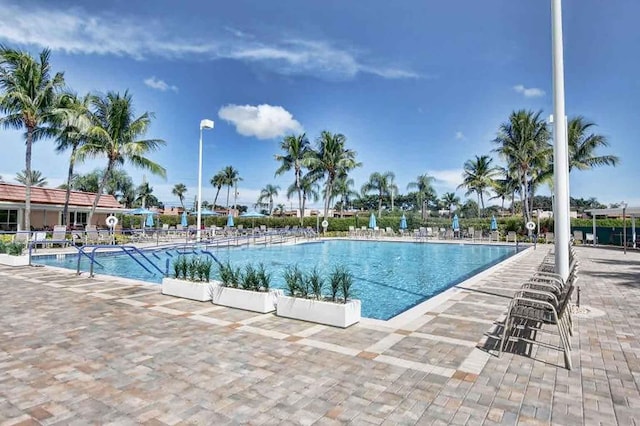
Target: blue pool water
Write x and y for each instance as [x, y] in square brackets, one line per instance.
[389, 277]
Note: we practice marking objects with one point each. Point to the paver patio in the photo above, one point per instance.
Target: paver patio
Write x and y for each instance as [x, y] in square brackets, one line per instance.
[80, 350]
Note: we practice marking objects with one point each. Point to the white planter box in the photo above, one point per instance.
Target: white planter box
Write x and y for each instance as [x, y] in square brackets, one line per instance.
[248, 300]
[9, 260]
[187, 289]
[328, 313]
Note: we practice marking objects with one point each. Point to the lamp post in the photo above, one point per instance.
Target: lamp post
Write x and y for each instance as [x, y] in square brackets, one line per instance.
[624, 227]
[560, 147]
[204, 124]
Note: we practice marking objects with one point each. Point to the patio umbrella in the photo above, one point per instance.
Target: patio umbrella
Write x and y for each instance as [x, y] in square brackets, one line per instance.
[372, 221]
[207, 213]
[252, 214]
[230, 221]
[141, 211]
[183, 220]
[494, 223]
[403, 222]
[149, 221]
[455, 224]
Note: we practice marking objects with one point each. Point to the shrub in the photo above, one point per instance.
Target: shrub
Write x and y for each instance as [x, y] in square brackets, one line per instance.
[205, 270]
[335, 281]
[293, 280]
[249, 280]
[15, 248]
[315, 283]
[192, 268]
[264, 279]
[177, 266]
[347, 282]
[230, 277]
[3, 247]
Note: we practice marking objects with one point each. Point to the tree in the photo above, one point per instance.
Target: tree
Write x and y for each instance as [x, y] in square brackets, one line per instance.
[478, 176]
[310, 190]
[450, 199]
[381, 184]
[267, 193]
[582, 146]
[330, 160]
[344, 189]
[72, 116]
[231, 179]
[469, 209]
[280, 208]
[424, 186]
[179, 190]
[34, 177]
[523, 142]
[218, 181]
[28, 95]
[504, 187]
[296, 149]
[114, 133]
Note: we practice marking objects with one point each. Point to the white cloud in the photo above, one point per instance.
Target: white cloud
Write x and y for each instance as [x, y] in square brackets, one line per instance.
[460, 136]
[75, 31]
[262, 121]
[529, 92]
[447, 180]
[158, 84]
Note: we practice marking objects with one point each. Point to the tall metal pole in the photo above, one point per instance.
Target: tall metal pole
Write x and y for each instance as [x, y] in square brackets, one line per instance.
[560, 148]
[199, 207]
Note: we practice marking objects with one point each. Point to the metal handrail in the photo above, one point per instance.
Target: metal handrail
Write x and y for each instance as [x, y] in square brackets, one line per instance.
[124, 249]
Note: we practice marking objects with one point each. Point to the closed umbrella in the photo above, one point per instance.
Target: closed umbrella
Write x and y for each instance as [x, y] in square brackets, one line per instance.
[230, 221]
[403, 222]
[494, 223]
[372, 221]
[455, 224]
[183, 221]
[149, 221]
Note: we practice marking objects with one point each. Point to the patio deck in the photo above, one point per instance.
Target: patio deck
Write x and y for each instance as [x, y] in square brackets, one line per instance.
[74, 349]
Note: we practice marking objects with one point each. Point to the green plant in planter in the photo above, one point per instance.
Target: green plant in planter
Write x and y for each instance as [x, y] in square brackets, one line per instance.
[335, 281]
[230, 277]
[15, 248]
[192, 268]
[293, 280]
[264, 279]
[184, 267]
[204, 272]
[249, 280]
[177, 267]
[315, 283]
[346, 284]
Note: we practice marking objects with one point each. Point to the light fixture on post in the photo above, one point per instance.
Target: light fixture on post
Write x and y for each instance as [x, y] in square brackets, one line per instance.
[624, 227]
[204, 124]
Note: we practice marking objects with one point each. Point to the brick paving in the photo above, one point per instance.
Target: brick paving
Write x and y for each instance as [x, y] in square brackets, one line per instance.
[78, 350]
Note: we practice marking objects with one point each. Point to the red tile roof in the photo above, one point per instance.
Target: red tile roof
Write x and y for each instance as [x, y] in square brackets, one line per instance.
[16, 193]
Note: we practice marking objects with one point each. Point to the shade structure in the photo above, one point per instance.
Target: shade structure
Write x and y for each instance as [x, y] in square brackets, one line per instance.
[208, 213]
[229, 221]
[372, 221]
[141, 211]
[403, 222]
[494, 223]
[183, 220]
[252, 213]
[455, 223]
[149, 221]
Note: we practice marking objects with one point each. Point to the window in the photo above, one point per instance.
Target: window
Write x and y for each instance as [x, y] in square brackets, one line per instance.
[80, 218]
[8, 220]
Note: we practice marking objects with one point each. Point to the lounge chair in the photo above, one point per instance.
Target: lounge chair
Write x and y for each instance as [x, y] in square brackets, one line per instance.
[352, 231]
[470, 232]
[60, 235]
[589, 238]
[389, 232]
[512, 236]
[550, 237]
[91, 234]
[477, 235]
[38, 238]
[578, 236]
[494, 236]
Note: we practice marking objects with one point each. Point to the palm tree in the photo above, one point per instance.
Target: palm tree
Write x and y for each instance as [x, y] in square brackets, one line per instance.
[231, 178]
[296, 149]
[28, 95]
[450, 199]
[114, 134]
[73, 117]
[478, 176]
[35, 177]
[280, 208]
[267, 193]
[344, 189]
[143, 192]
[179, 190]
[582, 146]
[379, 183]
[331, 160]
[523, 141]
[424, 186]
[505, 187]
[218, 181]
[310, 190]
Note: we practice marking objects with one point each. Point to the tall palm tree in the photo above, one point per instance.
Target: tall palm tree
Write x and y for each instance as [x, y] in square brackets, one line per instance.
[218, 181]
[143, 192]
[380, 183]
[523, 141]
[231, 179]
[424, 186]
[505, 186]
[34, 176]
[478, 177]
[344, 189]
[450, 199]
[296, 148]
[179, 190]
[582, 146]
[115, 133]
[267, 193]
[310, 190]
[28, 95]
[73, 117]
[331, 160]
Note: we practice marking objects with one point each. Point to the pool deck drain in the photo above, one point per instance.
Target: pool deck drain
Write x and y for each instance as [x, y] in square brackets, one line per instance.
[118, 351]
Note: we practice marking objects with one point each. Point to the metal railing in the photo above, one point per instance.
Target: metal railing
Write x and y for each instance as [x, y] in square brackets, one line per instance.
[125, 249]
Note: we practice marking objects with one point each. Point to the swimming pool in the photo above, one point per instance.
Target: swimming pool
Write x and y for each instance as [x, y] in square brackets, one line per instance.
[389, 277]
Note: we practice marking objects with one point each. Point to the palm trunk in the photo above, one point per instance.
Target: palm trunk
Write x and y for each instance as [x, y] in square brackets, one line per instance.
[379, 206]
[479, 208]
[101, 187]
[228, 190]
[392, 201]
[327, 195]
[65, 210]
[299, 196]
[482, 204]
[27, 195]
[304, 202]
[215, 200]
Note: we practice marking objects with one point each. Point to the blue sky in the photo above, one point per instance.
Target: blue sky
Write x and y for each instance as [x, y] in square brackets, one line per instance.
[417, 86]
